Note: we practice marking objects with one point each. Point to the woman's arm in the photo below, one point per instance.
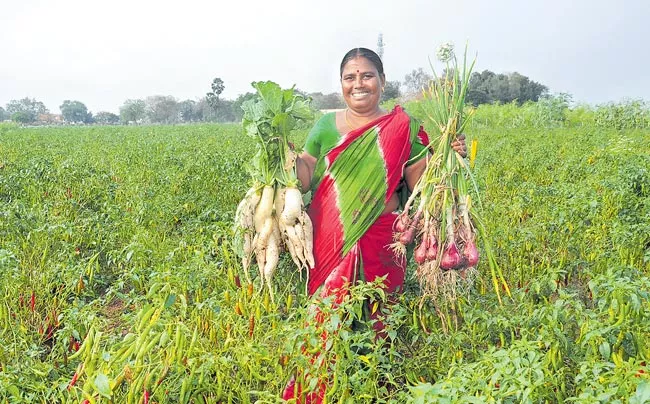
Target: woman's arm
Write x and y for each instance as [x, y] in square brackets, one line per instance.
[305, 165]
[413, 172]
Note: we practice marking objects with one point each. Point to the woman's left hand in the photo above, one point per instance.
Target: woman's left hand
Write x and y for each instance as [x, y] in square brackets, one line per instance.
[459, 145]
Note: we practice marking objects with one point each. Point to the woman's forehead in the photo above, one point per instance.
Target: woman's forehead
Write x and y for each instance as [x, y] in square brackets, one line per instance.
[359, 64]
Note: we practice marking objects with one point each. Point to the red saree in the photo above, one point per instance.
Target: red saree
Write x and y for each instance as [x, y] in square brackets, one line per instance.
[351, 235]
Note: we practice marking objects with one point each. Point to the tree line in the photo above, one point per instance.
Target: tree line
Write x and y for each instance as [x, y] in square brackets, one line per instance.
[484, 88]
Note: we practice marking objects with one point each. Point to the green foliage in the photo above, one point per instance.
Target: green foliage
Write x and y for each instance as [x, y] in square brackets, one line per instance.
[75, 112]
[327, 101]
[106, 118]
[391, 91]
[548, 112]
[25, 110]
[124, 233]
[632, 114]
[162, 109]
[216, 88]
[133, 111]
[487, 88]
[269, 118]
[22, 117]
[416, 81]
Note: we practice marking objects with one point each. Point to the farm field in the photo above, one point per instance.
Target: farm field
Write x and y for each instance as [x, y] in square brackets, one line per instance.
[119, 282]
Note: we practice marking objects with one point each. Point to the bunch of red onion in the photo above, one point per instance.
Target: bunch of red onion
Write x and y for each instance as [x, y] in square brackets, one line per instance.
[443, 224]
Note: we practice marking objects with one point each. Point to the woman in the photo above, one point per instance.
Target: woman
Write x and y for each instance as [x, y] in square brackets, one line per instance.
[355, 162]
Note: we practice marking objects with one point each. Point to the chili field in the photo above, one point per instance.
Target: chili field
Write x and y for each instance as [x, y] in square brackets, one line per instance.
[119, 283]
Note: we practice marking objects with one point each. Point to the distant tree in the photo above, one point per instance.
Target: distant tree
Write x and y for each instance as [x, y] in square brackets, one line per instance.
[380, 45]
[391, 91]
[326, 101]
[225, 111]
[187, 110]
[22, 117]
[3, 114]
[477, 93]
[236, 106]
[106, 118]
[75, 111]
[221, 111]
[300, 92]
[488, 87]
[132, 111]
[27, 110]
[203, 111]
[416, 81]
[499, 88]
[162, 109]
[217, 88]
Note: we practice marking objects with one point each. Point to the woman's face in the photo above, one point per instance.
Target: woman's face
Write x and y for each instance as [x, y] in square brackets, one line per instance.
[361, 85]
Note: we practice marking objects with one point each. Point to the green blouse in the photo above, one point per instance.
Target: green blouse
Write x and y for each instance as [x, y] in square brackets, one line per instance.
[324, 136]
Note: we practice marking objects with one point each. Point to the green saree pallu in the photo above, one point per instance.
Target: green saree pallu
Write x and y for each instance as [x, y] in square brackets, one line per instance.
[351, 235]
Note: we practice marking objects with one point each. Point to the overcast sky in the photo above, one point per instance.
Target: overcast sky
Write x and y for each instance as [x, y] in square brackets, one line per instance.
[104, 52]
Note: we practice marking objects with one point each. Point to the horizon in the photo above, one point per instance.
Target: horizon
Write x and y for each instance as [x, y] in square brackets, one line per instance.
[171, 50]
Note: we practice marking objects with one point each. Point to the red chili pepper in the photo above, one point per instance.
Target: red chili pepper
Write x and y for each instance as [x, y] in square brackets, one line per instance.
[237, 281]
[73, 381]
[146, 396]
[32, 301]
[251, 326]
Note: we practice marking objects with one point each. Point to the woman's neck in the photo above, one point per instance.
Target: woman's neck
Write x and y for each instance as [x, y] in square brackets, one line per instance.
[366, 115]
[356, 119]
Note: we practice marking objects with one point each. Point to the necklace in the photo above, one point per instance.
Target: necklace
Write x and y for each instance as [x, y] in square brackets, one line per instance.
[347, 122]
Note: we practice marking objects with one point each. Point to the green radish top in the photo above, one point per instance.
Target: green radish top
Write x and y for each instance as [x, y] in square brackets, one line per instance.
[270, 117]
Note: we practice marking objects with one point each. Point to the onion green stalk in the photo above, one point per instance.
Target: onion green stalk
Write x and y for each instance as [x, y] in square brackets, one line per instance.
[450, 219]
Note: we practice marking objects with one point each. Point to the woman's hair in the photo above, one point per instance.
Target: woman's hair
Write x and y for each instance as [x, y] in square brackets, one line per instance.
[366, 53]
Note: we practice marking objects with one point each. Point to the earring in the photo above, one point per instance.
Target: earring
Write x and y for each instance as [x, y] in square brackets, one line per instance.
[383, 88]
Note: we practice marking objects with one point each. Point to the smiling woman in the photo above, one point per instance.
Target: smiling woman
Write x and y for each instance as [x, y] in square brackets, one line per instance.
[356, 162]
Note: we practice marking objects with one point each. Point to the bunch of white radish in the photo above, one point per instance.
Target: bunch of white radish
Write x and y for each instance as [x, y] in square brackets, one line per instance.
[271, 217]
[445, 224]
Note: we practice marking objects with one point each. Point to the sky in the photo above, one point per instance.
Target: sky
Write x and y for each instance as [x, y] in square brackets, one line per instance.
[105, 52]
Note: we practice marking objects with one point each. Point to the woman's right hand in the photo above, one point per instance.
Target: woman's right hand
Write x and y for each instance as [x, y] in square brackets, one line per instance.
[459, 145]
[305, 165]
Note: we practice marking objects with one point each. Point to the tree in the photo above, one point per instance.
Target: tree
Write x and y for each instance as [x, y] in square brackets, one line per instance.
[188, 112]
[26, 109]
[3, 114]
[498, 88]
[162, 109]
[326, 101]
[22, 117]
[488, 87]
[380, 45]
[212, 97]
[106, 118]
[225, 111]
[416, 81]
[75, 111]
[132, 111]
[391, 91]
[236, 106]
